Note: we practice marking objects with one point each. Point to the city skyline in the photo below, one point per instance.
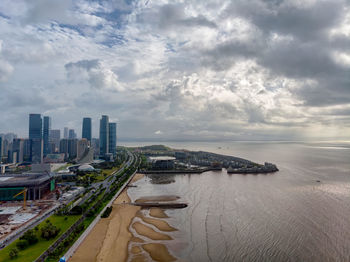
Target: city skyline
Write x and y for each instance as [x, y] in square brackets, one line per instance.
[194, 70]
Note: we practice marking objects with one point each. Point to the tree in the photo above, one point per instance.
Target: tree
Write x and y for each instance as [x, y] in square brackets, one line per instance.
[49, 230]
[13, 253]
[30, 236]
[22, 244]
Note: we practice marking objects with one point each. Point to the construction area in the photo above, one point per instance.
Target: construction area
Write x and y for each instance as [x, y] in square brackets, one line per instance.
[24, 200]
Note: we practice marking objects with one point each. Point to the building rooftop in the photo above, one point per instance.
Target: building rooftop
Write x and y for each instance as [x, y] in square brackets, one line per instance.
[159, 158]
[23, 180]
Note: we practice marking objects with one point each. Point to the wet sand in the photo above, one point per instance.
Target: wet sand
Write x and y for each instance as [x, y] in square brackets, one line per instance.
[110, 238]
[148, 232]
[160, 224]
[158, 252]
[157, 212]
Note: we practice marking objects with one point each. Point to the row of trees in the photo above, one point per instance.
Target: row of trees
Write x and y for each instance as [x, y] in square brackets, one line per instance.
[30, 237]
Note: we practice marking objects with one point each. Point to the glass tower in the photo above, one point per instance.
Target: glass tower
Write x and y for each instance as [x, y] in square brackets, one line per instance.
[35, 126]
[112, 145]
[104, 135]
[46, 135]
[86, 131]
[35, 136]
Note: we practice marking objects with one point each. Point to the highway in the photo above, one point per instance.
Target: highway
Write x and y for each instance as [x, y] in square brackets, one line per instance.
[105, 184]
[77, 243]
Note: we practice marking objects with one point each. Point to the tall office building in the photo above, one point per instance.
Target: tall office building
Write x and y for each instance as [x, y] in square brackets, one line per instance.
[72, 134]
[104, 135]
[95, 144]
[18, 148]
[1, 149]
[82, 147]
[46, 134]
[72, 148]
[27, 150]
[86, 131]
[65, 133]
[37, 150]
[112, 141]
[35, 136]
[5, 148]
[35, 126]
[55, 137]
[64, 147]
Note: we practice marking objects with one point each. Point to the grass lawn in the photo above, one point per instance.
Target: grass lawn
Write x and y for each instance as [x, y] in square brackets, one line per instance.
[110, 171]
[34, 251]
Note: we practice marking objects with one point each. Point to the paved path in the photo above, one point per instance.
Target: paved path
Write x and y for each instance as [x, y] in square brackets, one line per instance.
[77, 243]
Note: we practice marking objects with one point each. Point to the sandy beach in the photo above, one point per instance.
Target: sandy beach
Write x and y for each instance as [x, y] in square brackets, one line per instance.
[111, 238]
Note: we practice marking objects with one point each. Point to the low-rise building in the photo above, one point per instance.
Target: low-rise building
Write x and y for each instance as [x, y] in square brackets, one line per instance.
[37, 185]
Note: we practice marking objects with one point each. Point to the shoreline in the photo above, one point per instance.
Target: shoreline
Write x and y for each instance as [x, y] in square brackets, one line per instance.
[128, 234]
[93, 248]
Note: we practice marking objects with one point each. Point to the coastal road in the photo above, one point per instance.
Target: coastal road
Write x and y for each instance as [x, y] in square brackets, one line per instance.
[77, 243]
[18, 233]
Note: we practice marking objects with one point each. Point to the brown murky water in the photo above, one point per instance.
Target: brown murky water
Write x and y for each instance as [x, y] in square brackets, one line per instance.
[286, 216]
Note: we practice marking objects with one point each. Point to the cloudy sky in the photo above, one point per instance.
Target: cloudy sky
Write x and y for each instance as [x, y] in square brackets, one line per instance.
[179, 70]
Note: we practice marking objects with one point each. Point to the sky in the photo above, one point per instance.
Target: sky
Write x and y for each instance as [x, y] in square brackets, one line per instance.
[179, 70]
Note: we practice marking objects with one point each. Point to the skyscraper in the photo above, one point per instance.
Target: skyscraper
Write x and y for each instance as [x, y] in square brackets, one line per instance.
[55, 137]
[18, 147]
[0, 149]
[112, 143]
[72, 134]
[82, 147]
[35, 136]
[104, 135]
[64, 147]
[27, 150]
[35, 126]
[72, 148]
[65, 133]
[37, 150]
[86, 131]
[46, 134]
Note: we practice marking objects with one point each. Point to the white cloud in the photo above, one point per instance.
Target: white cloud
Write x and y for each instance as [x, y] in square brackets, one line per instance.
[189, 70]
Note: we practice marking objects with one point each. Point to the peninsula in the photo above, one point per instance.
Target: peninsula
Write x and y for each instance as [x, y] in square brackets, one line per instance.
[162, 159]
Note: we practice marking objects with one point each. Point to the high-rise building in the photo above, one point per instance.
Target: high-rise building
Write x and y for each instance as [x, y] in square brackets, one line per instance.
[82, 147]
[65, 133]
[35, 136]
[46, 134]
[64, 147]
[72, 134]
[55, 137]
[1, 149]
[37, 150]
[26, 150]
[8, 136]
[18, 148]
[95, 144]
[86, 130]
[72, 148]
[35, 126]
[5, 148]
[112, 141]
[104, 135]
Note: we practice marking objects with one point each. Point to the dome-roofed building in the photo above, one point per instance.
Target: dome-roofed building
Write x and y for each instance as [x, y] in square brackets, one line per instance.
[86, 168]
